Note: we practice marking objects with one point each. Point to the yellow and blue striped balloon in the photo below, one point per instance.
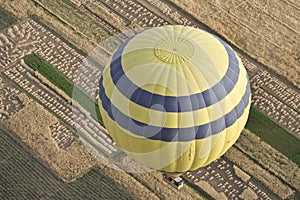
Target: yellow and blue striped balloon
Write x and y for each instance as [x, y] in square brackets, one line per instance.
[175, 98]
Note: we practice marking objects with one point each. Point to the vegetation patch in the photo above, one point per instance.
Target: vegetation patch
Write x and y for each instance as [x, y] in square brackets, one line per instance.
[273, 134]
[296, 159]
[7, 19]
[63, 83]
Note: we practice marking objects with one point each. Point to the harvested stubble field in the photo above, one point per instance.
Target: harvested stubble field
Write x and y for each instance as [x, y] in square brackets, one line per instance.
[265, 125]
[153, 181]
[71, 163]
[6, 19]
[31, 126]
[24, 176]
[150, 180]
[266, 178]
[270, 159]
[207, 187]
[78, 20]
[268, 135]
[266, 30]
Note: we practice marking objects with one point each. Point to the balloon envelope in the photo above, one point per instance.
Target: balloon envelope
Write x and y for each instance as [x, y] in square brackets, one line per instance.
[175, 98]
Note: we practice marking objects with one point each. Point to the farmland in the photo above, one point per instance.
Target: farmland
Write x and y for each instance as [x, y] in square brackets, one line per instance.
[274, 115]
[24, 176]
[249, 166]
[34, 126]
[7, 19]
[265, 123]
[258, 123]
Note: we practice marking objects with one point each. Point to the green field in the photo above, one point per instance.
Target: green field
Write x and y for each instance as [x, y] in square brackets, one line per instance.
[63, 83]
[273, 134]
[24, 176]
[296, 159]
[6, 19]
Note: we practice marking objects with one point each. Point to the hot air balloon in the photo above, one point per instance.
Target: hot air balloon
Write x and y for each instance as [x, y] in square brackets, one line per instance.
[174, 98]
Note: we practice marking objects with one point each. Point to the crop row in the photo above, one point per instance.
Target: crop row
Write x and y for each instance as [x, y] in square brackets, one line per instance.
[269, 158]
[249, 166]
[25, 176]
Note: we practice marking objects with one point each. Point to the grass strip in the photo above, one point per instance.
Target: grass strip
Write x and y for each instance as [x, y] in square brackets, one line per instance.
[270, 132]
[296, 159]
[63, 83]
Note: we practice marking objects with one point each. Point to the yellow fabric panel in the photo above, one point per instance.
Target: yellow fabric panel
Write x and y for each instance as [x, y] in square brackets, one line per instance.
[183, 119]
[222, 142]
[240, 124]
[158, 87]
[177, 63]
[175, 156]
[199, 72]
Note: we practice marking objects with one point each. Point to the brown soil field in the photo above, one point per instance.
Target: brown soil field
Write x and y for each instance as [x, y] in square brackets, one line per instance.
[266, 30]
